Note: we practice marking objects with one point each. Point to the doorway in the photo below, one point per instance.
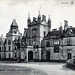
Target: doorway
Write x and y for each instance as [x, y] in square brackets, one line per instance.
[48, 55]
[30, 56]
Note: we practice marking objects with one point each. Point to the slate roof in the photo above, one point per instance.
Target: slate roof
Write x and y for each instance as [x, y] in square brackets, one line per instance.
[58, 34]
[53, 33]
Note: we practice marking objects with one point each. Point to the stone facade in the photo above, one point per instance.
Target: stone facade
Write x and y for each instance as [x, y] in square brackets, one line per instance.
[38, 42]
[59, 43]
[28, 46]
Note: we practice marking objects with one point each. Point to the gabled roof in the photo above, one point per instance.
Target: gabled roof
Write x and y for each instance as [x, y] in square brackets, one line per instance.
[53, 34]
[57, 33]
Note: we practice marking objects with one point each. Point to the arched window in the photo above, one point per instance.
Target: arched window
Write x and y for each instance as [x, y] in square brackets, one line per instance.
[15, 48]
[15, 55]
[5, 55]
[56, 48]
[48, 44]
[9, 42]
[9, 55]
[9, 48]
[44, 33]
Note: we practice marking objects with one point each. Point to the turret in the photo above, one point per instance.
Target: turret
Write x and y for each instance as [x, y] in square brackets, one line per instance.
[49, 21]
[43, 18]
[61, 28]
[39, 17]
[65, 25]
[28, 20]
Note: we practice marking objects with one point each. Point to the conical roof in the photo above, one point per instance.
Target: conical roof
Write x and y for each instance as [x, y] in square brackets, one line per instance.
[14, 23]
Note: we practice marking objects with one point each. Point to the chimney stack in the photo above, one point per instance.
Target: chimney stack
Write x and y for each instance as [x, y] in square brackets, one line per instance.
[65, 25]
[43, 18]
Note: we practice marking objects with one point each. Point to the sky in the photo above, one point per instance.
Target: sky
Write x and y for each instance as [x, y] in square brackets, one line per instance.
[59, 11]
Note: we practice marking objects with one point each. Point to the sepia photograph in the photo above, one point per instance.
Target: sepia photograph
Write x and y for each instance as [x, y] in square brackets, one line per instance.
[37, 37]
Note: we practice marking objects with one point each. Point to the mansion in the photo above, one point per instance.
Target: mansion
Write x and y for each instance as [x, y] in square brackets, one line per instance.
[38, 42]
[59, 44]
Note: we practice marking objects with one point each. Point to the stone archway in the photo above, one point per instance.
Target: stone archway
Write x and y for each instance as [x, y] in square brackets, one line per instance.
[30, 56]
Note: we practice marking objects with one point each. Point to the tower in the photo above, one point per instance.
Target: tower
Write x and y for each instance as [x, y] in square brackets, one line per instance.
[38, 28]
[10, 37]
[14, 31]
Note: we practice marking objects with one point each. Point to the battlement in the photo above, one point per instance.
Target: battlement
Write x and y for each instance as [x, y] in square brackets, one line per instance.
[38, 20]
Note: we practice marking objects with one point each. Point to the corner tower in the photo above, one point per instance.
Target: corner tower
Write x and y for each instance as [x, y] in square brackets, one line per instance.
[10, 36]
[14, 31]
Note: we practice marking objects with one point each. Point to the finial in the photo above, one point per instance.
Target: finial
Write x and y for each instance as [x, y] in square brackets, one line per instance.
[14, 19]
[28, 14]
[60, 24]
[39, 12]
[49, 17]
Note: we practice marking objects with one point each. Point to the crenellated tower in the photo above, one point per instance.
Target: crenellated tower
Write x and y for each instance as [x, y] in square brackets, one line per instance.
[38, 28]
